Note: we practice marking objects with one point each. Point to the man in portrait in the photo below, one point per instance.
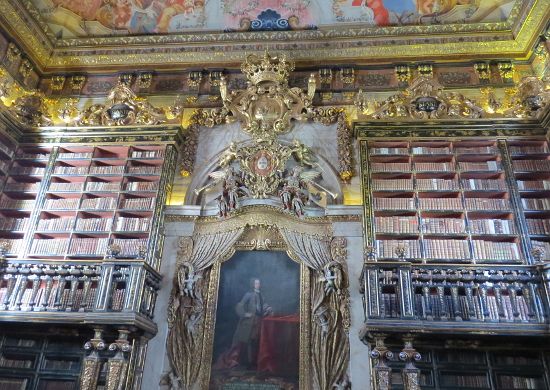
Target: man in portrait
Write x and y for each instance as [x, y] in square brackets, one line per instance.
[251, 309]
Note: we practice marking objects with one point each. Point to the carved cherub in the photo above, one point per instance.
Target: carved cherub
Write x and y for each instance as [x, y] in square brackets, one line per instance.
[187, 277]
[332, 277]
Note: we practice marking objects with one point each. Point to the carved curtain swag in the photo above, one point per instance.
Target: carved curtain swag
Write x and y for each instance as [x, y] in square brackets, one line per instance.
[324, 321]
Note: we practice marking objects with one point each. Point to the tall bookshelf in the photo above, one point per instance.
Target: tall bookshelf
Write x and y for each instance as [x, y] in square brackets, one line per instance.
[20, 194]
[531, 172]
[97, 196]
[442, 201]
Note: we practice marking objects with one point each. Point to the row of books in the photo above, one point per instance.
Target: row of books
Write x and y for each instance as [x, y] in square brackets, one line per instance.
[13, 224]
[130, 247]
[94, 224]
[490, 165]
[145, 169]
[22, 186]
[70, 170]
[538, 226]
[529, 149]
[107, 169]
[14, 245]
[147, 153]
[434, 166]
[56, 224]
[106, 203]
[484, 184]
[446, 249]
[18, 362]
[474, 309]
[458, 148]
[440, 203]
[390, 167]
[533, 184]
[61, 203]
[27, 170]
[77, 155]
[78, 299]
[536, 204]
[387, 249]
[392, 184]
[492, 204]
[137, 203]
[88, 246]
[531, 165]
[141, 186]
[436, 184]
[34, 155]
[389, 307]
[117, 299]
[519, 382]
[397, 224]
[443, 225]
[57, 246]
[492, 226]
[491, 250]
[23, 204]
[66, 186]
[431, 150]
[103, 186]
[132, 224]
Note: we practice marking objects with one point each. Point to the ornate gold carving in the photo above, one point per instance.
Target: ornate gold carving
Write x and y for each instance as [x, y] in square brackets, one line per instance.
[126, 79]
[403, 74]
[325, 76]
[214, 78]
[531, 98]
[194, 79]
[425, 99]
[425, 70]
[267, 106]
[506, 71]
[68, 112]
[77, 82]
[123, 108]
[411, 374]
[483, 71]
[381, 354]
[91, 364]
[13, 54]
[490, 104]
[347, 75]
[261, 238]
[57, 83]
[118, 364]
[32, 110]
[144, 80]
[25, 68]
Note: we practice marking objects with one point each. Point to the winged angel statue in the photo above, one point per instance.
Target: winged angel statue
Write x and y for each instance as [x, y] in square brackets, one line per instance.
[262, 168]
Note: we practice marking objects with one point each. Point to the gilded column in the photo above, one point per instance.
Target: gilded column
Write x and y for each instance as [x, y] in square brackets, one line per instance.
[92, 362]
[381, 354]
[117, 369]
[411, 374]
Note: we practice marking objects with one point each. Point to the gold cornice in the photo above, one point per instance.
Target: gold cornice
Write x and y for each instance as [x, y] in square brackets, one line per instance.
[506, 47]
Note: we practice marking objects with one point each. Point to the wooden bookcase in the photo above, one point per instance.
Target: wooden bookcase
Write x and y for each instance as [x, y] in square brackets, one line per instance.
[442, 201]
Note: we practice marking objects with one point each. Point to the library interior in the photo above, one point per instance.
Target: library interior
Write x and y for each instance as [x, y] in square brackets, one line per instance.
[274, 195]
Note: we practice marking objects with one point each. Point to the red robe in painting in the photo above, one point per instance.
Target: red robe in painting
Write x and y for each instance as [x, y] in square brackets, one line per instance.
[381, 14]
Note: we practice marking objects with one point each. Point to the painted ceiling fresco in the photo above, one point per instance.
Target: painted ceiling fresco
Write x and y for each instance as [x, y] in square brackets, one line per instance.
[78, 18]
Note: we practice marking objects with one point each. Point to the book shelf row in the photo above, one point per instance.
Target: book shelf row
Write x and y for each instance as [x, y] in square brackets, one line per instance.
[448, 249]
[80, 246]
[440, 225]
[412, 202]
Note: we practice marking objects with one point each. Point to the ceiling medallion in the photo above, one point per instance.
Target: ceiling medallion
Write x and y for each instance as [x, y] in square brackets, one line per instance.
[264, 167]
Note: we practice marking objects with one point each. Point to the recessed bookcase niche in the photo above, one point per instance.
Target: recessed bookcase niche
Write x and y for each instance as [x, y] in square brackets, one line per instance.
[458, 201]
[73, 201]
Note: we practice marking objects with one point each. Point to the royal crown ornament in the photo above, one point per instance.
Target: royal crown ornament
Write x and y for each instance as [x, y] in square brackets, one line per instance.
[266, 68]
[268, 105]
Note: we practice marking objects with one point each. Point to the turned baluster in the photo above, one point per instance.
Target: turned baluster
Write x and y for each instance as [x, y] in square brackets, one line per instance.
[47, 293]
[20, 290]
[442, 304]
[528, 301]
[9, 290]
[483, 302]
[456, 303]
[35, 286]
[61, 282]
[500, 302]
[512, 292]
[74, 286]
[427, 304]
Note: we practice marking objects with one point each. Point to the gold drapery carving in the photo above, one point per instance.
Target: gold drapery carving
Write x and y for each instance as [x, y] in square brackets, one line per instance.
[325, 320]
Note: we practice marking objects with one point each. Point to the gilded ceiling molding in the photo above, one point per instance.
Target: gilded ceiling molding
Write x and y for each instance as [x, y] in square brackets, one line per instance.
[491, 40]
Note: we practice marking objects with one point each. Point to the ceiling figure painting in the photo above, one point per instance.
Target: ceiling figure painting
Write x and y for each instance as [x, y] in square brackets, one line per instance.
[76, 18]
